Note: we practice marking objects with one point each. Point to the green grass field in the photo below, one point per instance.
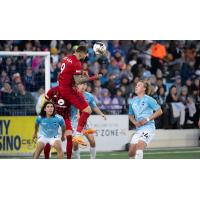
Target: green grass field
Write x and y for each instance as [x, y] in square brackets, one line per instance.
[187, 153]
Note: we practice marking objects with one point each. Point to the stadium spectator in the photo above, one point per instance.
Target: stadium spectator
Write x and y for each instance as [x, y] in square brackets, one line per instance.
[177, 107]
[4, 78]
[25, 101]
[29, 79]
[8, 99]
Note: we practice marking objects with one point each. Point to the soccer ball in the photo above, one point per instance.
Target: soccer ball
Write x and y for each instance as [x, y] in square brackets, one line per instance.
[99, 48]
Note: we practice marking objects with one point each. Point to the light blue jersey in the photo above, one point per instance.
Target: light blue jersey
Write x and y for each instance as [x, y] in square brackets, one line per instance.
[142, 109]
[73, 115]
[48, 127]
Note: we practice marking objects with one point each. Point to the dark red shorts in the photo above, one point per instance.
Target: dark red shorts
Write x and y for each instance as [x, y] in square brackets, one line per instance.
[74, 97]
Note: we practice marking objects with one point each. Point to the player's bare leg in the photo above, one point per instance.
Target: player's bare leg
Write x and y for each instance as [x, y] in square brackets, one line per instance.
[136, 150]
[132, 151]
[58, 146]
[92, 146]
[39, 149]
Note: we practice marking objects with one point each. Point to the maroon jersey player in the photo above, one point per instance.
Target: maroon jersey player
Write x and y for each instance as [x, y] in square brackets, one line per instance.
[71, 75]
[62, 108]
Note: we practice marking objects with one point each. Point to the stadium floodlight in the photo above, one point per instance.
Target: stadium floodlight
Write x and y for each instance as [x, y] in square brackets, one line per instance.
[45, 54]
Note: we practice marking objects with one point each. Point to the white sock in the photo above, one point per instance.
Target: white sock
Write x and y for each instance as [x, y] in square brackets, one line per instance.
[92, 152]
[139, 154]
[77, 154]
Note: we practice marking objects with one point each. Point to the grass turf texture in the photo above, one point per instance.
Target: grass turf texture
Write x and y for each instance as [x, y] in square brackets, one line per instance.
[187, 153]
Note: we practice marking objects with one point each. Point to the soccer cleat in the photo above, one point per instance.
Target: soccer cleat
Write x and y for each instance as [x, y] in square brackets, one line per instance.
[89, 131]
[79, 140]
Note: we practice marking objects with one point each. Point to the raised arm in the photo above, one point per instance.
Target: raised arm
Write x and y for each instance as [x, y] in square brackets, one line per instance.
[79, 79]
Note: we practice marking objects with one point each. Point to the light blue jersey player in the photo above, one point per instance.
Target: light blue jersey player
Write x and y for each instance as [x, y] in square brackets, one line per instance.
[143, 109]
[46, 126]
[90, 99]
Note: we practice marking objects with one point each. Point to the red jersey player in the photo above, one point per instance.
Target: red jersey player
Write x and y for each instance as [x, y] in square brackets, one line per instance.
[62, 108]
[70, 76]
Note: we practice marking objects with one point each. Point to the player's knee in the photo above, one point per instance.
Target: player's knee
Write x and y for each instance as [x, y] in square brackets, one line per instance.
[141, 145]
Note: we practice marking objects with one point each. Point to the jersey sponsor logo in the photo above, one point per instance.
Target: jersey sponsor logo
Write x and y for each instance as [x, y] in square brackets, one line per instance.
[61, 102]
[78, 71]
[68, 59]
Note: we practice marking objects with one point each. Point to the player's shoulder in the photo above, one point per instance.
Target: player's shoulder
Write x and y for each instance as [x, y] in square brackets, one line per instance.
[149, 97]
[88, 94]
[59, 117]
[134, 99]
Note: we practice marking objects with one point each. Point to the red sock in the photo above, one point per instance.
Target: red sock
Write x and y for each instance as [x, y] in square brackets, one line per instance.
[47, 149]
[82, 121]
[69, 147]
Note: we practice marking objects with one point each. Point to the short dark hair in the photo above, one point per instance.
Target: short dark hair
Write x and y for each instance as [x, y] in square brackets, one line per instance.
[82, 49]
[43, 112]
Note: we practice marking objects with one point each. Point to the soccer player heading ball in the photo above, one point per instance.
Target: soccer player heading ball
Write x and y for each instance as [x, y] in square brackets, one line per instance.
[71, 75]
[142, 116]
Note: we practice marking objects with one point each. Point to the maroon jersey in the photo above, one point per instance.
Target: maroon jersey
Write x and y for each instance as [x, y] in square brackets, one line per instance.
[70, 66]
[62, 107]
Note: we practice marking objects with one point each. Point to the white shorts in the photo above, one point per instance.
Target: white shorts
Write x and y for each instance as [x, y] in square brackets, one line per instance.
[145, 136]
[46, 140]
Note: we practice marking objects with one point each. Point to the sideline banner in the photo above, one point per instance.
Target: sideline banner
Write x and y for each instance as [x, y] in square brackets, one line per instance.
[16, 135]
[112, 134]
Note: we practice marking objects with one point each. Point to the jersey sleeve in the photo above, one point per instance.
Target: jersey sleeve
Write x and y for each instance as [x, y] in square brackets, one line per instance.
[92, 103]
[38, 120]
[130, 110]
[48, 95]
[153, 104]
[61, 121]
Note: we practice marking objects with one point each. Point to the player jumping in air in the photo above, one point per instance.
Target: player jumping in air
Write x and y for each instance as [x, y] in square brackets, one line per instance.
[48, 124]
[63, 109]
[142, 115]
[70, 76]
[90, 99]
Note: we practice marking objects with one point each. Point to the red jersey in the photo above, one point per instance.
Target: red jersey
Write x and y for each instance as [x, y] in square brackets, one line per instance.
[70, 66]
[62, 107]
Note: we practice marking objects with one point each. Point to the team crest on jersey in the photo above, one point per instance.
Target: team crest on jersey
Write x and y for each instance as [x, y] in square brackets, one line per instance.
[78, 71]
[61, 102]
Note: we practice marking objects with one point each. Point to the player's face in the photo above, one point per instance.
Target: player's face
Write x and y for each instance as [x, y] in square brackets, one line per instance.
[139, 89]
[83, 56]
[82, 87]
[49, 109]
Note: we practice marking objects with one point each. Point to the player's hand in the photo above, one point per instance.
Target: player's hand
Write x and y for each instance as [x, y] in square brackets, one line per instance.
[63, 138]
[104, 116]
[137, 124]
[34, 136]
[143, 122]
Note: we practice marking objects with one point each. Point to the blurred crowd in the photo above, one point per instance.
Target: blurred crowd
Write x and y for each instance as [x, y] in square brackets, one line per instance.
[172, 68]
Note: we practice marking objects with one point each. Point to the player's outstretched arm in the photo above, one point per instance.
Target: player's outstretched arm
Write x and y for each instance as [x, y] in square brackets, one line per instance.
[79, 79]
[99, 112]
